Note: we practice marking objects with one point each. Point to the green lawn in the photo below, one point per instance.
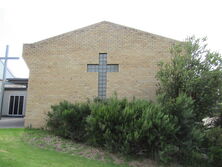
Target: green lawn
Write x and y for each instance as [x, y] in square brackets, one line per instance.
[14, 152]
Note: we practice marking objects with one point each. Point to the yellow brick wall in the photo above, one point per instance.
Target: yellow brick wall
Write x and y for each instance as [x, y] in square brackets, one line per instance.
[58, 66]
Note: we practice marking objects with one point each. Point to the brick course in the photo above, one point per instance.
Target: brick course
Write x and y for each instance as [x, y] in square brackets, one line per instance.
[58, 66]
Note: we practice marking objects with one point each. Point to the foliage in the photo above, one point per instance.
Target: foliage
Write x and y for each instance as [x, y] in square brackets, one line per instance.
[188, 136]
[181, 108]
[129, 127]
[69, 120]
[213, 146]
[218, 110]
[195, 71]
[119, 125]
[190, 88]
[166, 132]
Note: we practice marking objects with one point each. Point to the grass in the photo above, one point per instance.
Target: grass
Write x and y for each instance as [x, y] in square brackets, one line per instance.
[15, 152]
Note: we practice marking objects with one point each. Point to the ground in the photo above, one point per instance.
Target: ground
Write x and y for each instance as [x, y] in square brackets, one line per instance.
[11, 122]
[14, 152]
[37, 148]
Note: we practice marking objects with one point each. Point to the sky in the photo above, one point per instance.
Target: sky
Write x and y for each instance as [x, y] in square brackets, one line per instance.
[28, 21]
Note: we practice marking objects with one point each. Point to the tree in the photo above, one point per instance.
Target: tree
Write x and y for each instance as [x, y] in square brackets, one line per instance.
[195, 71]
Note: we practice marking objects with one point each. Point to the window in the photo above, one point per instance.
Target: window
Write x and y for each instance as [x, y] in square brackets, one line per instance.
[16, 105]
[102, 68]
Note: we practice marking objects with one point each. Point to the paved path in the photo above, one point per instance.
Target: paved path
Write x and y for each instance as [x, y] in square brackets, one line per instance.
[12, 122]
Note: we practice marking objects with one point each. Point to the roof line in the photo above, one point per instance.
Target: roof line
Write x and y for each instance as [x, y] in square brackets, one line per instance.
[93, 25]
[66, 33]
[142, 31]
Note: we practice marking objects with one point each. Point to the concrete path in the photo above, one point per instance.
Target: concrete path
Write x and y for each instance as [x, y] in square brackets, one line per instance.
[11, 122]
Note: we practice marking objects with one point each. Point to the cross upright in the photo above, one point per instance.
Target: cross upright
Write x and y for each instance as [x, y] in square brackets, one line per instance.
[102, 68]
[4, 77]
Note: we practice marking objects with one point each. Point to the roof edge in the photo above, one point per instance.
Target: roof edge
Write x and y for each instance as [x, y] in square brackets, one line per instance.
[66, 33]
[93, 25]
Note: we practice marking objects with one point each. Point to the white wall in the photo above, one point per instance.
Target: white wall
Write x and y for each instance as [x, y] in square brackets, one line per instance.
[6, 101]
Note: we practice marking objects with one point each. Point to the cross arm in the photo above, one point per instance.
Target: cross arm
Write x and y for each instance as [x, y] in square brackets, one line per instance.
[112, 68]
[92, 68]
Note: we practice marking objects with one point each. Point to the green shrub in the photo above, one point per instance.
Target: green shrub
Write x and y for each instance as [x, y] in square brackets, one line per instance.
[69, 120]
[190, 89]
[165, 131]
[213, 146]
[129, 127]
[54, 118]
[189, 135]
[182, 109]
[195, 71]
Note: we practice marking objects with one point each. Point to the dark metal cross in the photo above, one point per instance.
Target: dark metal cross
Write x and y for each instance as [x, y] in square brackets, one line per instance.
[4, 77]
[102, 68]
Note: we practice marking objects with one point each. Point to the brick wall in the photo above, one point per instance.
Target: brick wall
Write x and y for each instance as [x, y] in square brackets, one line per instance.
[58, 66]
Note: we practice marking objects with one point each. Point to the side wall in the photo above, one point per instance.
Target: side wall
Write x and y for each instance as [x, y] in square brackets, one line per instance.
[58, 66]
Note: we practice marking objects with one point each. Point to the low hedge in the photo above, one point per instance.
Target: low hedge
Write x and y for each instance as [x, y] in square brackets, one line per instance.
[119, 125]
[164, 131]
[129, 127]
[69, 120]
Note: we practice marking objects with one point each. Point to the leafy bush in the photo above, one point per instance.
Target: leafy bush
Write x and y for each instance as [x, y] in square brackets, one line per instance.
[69, 120]
[195, 71]
[129, 127]
[119, 125]
[188, 136]
[164, 131]
[190, 88]
[181, 108]
[213, 146]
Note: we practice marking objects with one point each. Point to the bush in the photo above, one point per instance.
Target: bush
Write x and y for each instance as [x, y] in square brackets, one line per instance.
[181, 108]
[129, 127]
[165, 131]
[213, 146]
[188, 136]
[69, 120]
[195, 71]
[190, 89]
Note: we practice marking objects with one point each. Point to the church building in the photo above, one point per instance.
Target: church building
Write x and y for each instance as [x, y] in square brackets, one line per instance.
[94, 61]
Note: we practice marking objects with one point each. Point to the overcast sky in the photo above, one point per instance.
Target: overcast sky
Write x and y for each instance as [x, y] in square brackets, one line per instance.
[27, 21]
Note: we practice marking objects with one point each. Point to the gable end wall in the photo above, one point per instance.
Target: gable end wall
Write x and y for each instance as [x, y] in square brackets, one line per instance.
[58, 66]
